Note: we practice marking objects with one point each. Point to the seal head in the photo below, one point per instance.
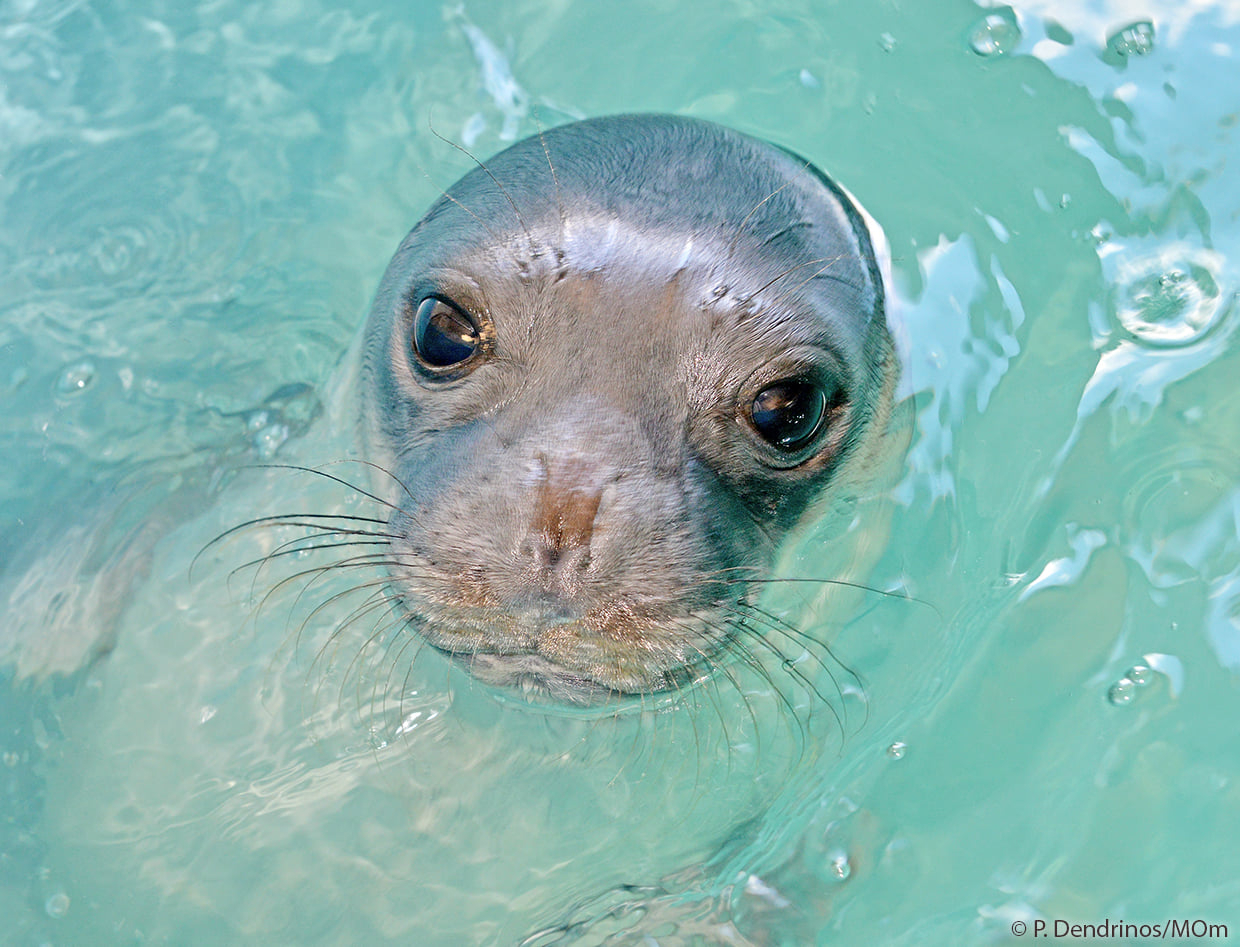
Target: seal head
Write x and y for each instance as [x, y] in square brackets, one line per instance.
[608, 372]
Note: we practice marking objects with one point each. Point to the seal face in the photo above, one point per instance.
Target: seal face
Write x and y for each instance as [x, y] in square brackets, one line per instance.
[608, 371]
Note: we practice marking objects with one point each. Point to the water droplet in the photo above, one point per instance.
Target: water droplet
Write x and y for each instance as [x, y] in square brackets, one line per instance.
[57, 905]
[1121, 692]
[1135, 39]
[1140, 675]
[994, 35]
[206, 712]
[838, 866]
[896, 750]
[75, 378]
[887, 42]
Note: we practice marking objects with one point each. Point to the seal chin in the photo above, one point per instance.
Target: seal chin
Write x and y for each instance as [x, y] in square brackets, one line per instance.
[535, 674]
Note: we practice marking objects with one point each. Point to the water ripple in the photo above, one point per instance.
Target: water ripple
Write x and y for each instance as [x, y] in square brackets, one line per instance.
[1171, 297]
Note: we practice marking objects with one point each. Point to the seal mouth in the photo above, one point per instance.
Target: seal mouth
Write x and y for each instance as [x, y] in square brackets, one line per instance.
[572, 659]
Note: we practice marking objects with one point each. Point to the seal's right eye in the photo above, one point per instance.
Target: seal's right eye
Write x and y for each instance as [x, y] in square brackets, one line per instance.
[443, 335]
[789, 414]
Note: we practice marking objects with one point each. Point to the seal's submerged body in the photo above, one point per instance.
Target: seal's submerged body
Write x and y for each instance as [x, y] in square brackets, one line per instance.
[608, 372]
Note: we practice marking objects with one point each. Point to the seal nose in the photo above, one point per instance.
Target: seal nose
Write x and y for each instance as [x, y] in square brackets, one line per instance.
[565, 510]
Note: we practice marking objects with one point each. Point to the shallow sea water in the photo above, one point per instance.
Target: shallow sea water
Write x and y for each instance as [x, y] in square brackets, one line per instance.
[1038, 725]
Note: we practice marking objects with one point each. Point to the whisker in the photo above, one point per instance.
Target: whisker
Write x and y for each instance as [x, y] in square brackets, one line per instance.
[376, 602]
[740, 230]
[377, 584]
[495, 237]
[843, 583]
[373, 601]
[750, 659]
[303, 545]
[542, 140]
[314, 573]
[340, 480]
[284, 519]
[801, 639]
[827, 261]
[494, 180]
[417, 642]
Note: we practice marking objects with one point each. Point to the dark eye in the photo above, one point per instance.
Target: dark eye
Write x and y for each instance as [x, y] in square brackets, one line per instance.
[443, 335]
[788, 414]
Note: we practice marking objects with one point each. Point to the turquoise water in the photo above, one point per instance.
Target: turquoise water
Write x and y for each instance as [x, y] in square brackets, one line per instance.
[195, 206]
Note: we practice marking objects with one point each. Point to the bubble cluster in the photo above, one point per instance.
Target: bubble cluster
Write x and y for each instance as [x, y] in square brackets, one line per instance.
[1125, 689]
[1135, 39]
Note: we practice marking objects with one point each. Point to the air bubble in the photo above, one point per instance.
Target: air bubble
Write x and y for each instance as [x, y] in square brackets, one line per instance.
[1140, 675]
[896, 750]
[255, 421]
[1135, 39]
[76, 378]
[994, 35]
[57, 905]
[887, 42]
[838, 866]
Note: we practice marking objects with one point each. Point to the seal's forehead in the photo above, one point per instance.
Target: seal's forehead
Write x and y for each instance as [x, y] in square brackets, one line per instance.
[699, 190]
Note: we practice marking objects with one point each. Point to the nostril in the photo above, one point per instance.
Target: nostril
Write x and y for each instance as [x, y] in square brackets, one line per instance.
[549, 554]
[552, 553]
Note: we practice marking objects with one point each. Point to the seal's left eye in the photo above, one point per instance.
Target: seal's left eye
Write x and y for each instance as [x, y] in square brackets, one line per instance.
[789, 413]
[443, 335]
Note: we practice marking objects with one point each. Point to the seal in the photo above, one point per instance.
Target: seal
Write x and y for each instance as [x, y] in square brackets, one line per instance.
[608, 373]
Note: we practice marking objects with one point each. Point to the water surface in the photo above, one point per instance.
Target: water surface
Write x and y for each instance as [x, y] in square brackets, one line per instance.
[195, 206]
